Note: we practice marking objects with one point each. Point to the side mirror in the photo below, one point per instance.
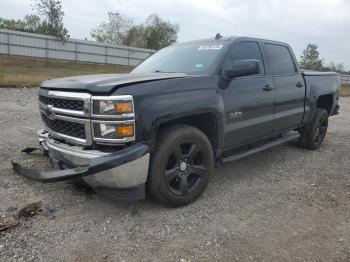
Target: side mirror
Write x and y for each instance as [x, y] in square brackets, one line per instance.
[242, 68]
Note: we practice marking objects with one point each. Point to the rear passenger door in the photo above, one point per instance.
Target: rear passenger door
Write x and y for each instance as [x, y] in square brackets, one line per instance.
[288, 84]
[248, 100]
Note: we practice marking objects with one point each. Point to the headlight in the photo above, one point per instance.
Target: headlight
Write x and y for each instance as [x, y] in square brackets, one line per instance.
[113, 130]
[113, 119]
[112, 106]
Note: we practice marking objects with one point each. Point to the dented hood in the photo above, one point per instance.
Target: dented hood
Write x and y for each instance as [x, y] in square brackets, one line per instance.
[105, 83]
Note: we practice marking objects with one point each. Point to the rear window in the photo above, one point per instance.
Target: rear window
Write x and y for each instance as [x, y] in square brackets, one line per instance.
[279, 60]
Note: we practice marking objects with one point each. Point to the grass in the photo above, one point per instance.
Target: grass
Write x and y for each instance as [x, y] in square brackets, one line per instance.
[345, 90]
[28, 72]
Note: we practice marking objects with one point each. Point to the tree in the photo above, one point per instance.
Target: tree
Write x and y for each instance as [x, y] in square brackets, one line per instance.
[11, 24]
[136, 37]
[159, 33]
[53, 18]
[52, 24]
[310, 59]
[155, 33]
[114, 31]
[339, 68]
[31, 23]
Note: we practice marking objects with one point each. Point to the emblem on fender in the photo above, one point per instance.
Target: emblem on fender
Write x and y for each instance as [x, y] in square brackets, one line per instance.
[235, 114]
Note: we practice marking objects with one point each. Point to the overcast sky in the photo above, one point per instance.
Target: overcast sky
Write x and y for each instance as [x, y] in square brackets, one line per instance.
[324, 22]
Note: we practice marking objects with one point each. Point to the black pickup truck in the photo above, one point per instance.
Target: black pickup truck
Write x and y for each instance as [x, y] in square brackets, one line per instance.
[161, 129]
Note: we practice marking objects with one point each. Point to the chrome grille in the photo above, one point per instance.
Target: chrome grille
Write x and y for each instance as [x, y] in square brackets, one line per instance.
[65, 127]
[66, 115]
[77, 105]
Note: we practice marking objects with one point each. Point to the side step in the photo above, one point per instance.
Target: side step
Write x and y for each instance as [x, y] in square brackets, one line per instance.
[285, 138]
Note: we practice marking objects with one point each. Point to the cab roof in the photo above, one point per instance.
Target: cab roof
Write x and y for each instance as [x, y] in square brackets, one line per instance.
[230, 39]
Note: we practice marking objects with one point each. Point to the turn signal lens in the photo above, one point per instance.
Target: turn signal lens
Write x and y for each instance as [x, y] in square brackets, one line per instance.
[123, 107]
[123, 131]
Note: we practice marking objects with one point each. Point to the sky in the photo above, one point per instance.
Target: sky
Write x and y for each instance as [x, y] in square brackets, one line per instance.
[324, 22]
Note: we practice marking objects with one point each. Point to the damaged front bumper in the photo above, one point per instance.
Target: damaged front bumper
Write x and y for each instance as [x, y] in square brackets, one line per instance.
[119, 175]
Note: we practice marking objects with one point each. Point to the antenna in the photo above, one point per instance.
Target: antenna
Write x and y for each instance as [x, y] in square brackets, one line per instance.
[218, 36]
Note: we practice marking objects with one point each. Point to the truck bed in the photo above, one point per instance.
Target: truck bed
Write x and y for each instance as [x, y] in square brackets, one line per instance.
[320, 83]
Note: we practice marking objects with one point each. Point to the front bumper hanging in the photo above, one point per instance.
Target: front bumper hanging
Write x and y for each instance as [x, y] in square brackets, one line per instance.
[105, 172]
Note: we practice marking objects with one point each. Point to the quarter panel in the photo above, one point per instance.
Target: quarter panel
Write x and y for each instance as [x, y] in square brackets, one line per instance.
[318, 85]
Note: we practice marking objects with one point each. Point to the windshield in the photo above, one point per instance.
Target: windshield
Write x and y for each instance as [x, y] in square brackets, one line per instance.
[192, 58]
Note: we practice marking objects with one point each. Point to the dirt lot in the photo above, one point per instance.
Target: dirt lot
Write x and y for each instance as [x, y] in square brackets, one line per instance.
[285, 204]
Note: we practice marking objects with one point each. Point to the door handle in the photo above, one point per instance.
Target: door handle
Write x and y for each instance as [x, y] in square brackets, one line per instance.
[299, 84]
[267, 88]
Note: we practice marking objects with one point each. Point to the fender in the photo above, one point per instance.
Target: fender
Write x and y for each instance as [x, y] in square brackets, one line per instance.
[173, 99]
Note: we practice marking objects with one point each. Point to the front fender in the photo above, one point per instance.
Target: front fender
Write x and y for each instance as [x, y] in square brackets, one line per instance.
[162, 101]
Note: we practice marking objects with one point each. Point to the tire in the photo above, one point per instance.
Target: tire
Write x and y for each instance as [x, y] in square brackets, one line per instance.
[312, 135]
[180, 167]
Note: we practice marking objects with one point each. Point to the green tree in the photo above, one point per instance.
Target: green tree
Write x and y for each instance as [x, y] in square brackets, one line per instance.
[53, 15]
[52, 24]
[136, 36]
[310, 59]
[155, 33]
[31, 23]
[159, 33]
[11, 24]
[339, 68]
[114, 31]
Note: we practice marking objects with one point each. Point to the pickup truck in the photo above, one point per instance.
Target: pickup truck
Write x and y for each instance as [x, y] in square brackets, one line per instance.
[160, 130]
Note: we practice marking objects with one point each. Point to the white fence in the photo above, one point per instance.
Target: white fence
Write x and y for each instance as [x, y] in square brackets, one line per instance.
[48, 47]
[345, 79]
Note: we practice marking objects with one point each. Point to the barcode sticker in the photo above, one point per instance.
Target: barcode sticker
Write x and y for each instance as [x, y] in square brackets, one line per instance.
[210, 47]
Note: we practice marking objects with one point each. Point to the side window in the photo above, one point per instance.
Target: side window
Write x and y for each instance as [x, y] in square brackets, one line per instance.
[279, 60]
[246, 50]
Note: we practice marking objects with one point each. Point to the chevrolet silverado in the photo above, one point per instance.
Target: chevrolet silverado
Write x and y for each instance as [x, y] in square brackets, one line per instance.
[161, 129]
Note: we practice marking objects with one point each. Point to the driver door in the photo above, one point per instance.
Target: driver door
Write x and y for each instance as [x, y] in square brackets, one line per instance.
[249, 100]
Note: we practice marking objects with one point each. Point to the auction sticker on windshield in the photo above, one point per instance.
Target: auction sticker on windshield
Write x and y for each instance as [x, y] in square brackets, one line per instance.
[210, 47]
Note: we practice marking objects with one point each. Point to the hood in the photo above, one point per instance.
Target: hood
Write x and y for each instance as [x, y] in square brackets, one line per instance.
[106, 83]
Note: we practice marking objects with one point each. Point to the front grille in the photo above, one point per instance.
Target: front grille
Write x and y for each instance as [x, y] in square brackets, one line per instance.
[65, 127]
[77, 105]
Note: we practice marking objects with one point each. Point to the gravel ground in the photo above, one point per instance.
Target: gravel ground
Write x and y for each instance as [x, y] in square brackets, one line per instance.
[284, 204]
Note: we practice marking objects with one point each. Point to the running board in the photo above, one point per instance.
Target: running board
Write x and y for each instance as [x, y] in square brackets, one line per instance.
[278, 141]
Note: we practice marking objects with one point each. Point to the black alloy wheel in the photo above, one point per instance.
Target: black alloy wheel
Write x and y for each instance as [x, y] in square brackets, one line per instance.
[180, 166]
[321, 129]
[184, 168]
[313, 134]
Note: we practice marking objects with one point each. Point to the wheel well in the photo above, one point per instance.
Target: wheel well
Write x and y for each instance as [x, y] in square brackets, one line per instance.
[205, 122]
[325, 102]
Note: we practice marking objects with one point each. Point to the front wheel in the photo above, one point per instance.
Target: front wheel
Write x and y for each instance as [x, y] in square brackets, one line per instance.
[312, 135]
[180, 166]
